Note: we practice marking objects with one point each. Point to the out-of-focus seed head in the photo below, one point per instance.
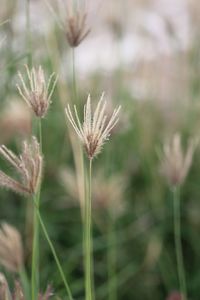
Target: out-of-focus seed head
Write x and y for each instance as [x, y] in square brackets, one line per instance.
[46, 295]
[17, 293]
[76, 25]
[175, 296]
[175, 163]
[11, 249]
[109, 197]
[95, 129]
[28, 165]
[15, 121]
[4, 288]
[38, 92]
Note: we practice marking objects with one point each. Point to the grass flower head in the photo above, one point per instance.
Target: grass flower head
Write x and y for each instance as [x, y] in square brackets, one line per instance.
[76, 26]
[28, 165]
[176, 164]
[11, 249]
[39, 92]
[95, 129]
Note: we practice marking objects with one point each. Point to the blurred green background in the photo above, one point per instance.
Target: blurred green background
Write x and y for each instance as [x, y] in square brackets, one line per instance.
[145, 56]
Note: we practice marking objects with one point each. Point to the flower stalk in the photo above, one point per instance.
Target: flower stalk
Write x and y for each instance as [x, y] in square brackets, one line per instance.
[88, 238]
[177, 240]
[36, 237]
[53, 252]
[111, 261]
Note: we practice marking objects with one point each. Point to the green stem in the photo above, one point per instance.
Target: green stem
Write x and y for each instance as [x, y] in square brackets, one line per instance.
[88, 240]
[178, 245]
[54, 254]
[28, 34]
[25, 282]
[111, 261]
[40, 134]
[74, 78]
[35, 252]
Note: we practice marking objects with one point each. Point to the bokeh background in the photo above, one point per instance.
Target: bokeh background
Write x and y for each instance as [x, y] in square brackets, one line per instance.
[144, 54]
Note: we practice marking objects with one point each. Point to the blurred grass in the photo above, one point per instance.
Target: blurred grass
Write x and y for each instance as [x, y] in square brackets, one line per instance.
[146, 266]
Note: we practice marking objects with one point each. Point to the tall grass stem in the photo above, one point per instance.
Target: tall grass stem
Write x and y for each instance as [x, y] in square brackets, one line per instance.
[74, 76]
[54, 253]
[178, 245]
[35, 253]
[36, 229]
[111, 261]
[88, 238]
[28, 33]
[25, 282]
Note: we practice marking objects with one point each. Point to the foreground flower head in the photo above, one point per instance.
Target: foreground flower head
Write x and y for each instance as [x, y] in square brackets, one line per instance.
[28, 165]
[11, 249]
[95, 129]
[76, 26]
[175, 296]
[38, 92]
[175, 164]
[18, 293]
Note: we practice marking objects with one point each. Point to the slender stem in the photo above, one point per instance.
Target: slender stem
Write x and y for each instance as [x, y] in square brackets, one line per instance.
[35, 252]
[74, 76]
[54, 253]
[111, 261]
[40, 134]
[88, 240]
[25, 282]
[178, 245]
[28, 33]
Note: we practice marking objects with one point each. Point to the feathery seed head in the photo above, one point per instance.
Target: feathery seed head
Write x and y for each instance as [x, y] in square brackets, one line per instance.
[17, 293]
[175, 164]
[28, 165]
[95, 129]
[11, 250]
[4, 288]
[38, 94]
[76, 27]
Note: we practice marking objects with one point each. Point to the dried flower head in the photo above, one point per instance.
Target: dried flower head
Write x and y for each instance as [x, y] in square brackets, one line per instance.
[76, 27]
[47, 294]
[175, 164]
[11, 249]
[4, 288]
[15, 121]
[95, 129]
[110, 196]
[28, 165]
[175, 296]
[38, 94]
[18, 293]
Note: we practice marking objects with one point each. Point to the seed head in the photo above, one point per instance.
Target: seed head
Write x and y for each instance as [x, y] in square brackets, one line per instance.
[175, 296]
[11, 250]
[95, 129]
[176, 164]
[38, 94]
[28, 165]
[17, 293]
[76, 27]
[109, 197]
[4, 288]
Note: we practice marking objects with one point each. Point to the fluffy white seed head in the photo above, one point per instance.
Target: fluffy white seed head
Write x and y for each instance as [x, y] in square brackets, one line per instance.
[175, 163]
[28, 165]
[11, 249]
[95, 129]
[37, 93]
